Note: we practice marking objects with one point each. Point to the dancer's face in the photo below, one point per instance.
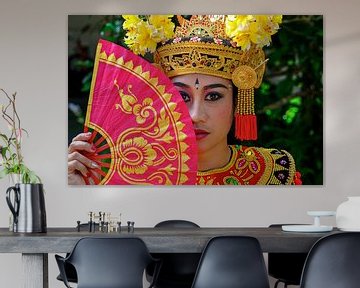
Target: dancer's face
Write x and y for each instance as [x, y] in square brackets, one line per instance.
[210, 103]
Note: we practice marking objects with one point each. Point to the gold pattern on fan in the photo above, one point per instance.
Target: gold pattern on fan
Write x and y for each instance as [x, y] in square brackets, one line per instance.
[136, 153]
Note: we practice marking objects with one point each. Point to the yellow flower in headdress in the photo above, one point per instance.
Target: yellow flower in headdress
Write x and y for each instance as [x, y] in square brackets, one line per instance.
[139, 38]
[237, 23]
[145, 32]
[267, 26]
[248, 29]
[131, 21]
[163, 26]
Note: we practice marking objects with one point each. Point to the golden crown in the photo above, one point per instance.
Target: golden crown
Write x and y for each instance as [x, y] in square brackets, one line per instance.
[212, 59]
[209, 44]
[201, 25]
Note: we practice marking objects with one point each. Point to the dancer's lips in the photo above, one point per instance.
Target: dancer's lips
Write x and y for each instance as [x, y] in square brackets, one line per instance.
[201, 134]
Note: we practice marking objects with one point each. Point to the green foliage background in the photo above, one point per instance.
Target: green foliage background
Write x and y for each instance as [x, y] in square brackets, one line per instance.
[289, 103]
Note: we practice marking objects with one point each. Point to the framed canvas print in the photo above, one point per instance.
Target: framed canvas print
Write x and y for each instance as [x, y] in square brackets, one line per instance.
[195, 100]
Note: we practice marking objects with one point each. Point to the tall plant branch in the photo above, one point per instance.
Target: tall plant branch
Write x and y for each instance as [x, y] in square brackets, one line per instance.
[15, 125]
[12, 161]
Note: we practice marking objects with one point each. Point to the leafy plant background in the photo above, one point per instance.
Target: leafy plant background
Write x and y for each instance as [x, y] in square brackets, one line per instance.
[289, 103]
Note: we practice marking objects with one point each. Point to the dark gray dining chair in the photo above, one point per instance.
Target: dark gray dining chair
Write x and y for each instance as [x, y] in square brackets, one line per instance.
[232, 262]
[285, 267]
[177, 269]
[333, 262]
[108, 262]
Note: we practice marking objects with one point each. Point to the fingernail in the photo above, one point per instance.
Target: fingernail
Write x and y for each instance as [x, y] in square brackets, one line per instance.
[94, 165]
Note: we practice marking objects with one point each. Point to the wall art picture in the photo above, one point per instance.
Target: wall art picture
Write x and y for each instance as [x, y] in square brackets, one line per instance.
[195, 100]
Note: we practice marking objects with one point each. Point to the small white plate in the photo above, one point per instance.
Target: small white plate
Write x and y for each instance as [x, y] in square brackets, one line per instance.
[321, 213]
[306, 228]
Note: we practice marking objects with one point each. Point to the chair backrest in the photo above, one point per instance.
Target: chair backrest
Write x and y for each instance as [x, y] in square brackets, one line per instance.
[178, 269]
[232, 262]
[176, 223]
[110, 262]
[70, 271]
[333, 262]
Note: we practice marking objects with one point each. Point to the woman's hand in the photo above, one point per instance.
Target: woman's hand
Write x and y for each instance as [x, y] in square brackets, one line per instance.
[79, 166]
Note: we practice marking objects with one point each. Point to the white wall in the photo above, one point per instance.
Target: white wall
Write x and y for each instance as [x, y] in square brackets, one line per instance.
[33, 62]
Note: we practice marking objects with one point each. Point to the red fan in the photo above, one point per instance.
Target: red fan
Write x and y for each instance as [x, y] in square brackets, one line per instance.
[140, 125]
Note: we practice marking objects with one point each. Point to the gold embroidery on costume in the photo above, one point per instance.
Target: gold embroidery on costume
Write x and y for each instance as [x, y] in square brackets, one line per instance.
[252, 166]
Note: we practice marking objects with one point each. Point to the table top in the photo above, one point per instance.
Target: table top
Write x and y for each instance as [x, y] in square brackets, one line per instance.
[158, 240]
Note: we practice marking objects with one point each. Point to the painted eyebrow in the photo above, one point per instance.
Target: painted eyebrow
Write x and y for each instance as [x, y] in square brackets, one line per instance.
[218, 85]
[210, 86]
[181, 84]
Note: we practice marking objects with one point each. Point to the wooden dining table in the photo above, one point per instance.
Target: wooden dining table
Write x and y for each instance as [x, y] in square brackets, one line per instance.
[35, 247]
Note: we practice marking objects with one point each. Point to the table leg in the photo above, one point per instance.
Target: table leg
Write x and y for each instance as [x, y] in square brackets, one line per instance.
[35, 270]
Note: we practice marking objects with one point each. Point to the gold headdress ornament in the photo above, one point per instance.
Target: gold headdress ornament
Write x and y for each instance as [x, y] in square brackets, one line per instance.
[227, 46]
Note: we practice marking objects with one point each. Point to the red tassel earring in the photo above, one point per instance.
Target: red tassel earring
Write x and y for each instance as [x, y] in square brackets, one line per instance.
[245, 118]
[244, 77]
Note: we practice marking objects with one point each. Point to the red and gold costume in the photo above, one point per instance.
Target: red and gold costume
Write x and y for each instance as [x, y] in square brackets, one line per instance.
[253, 166]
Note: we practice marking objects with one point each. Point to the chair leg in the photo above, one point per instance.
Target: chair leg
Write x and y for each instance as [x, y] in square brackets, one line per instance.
[278, 282]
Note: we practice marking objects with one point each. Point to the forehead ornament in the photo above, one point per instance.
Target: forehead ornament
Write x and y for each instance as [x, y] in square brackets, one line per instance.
[197, 84]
